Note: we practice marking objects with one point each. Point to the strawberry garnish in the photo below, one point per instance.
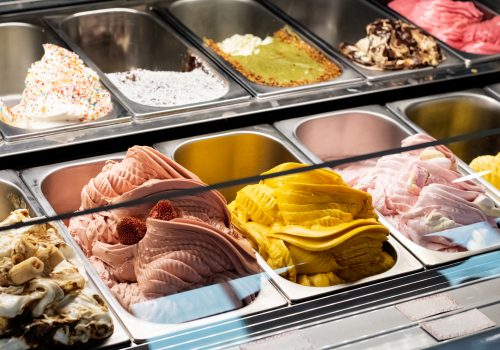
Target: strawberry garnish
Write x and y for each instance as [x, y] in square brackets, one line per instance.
[163, 210]
[130, 230]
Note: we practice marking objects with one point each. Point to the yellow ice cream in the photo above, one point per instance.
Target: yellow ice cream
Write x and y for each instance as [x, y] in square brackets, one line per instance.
[324, 231]
[491, 163]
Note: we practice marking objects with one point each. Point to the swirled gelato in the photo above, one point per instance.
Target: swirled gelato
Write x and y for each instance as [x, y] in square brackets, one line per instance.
[420, 193]
[394, 44]
[324, 231]
[45, 300]
[159, 249]
[281, 60]
[460, 24]
[59, 90]
[489, 164]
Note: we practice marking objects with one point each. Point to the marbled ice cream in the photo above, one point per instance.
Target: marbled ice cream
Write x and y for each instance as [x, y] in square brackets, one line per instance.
[59, 90]
[416, 192]
[45, 300]
[158, 249]
[394, 44]
[460, 24]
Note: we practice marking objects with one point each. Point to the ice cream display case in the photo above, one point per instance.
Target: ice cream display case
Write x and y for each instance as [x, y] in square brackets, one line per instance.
[249, 174]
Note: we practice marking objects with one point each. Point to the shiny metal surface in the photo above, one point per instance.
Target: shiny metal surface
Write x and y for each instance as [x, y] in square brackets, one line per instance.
[405, 264]
[231, 155]
[46, 183]
[14, 195]
[21, 43]
[353, 120]
[241, 150]
[494, 90]
[469, 58]
[220, 19]
[122, 39]
[337, 21]
[455, 114]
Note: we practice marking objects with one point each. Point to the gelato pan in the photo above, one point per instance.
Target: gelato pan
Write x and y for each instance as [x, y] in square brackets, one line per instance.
[146, 64]
[170, 88]
[160, 249]
[392, 45]
[281, 60]
[45, 299]
[59, 89]
[421, 194]
[323, 231]
[490, 165]
[460, 24]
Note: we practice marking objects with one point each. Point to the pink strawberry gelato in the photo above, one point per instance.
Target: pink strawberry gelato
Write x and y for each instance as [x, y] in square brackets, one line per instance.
[197, 248]
[416, 193]
[458, 23]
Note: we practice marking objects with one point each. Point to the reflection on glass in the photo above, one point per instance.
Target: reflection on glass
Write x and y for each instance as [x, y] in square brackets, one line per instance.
[423, 195]
[150, 254]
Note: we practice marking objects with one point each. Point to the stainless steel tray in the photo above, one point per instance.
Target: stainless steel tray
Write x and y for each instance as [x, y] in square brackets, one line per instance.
[121, 39]
[386, 128]
[251, 151]
[219, 19]
[45, 183]
[435, 115]
[21, 43]
[331, 22]
[469, 58]
[15, 195]
[494, 90]
[237, 153]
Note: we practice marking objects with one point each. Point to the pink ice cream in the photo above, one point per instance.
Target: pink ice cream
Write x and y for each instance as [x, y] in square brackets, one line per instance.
[458, 23]
[416, 193]
[198, 247]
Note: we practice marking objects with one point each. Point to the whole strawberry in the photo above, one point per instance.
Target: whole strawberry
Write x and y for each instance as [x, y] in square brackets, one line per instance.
[130, 230]
[163, 210]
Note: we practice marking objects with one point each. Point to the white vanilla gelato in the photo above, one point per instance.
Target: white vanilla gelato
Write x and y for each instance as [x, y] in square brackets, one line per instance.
[243, 45]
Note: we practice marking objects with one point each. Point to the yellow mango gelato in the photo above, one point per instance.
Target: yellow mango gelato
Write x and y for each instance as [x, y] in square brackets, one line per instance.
[324, 231]
[281, 60]
[491, 164]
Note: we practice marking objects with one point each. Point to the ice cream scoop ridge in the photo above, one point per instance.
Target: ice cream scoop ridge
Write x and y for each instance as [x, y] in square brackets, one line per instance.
[458, 23]
[325, 232]
[490, 164]
[417, 192]
[394, 44]
[194, 246]
[59, 89]
[43, 290]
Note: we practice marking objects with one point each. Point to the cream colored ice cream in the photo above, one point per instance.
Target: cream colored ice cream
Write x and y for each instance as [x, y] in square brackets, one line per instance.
[325, 232]
[158, 249]
[489, 164]
[45, 300]
[59, 90]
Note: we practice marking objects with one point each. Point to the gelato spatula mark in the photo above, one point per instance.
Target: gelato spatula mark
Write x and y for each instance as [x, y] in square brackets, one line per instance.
[393, 45]
[170, 247]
